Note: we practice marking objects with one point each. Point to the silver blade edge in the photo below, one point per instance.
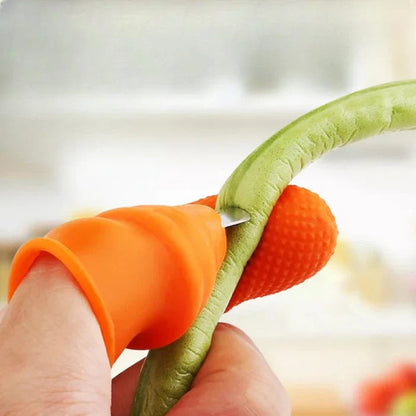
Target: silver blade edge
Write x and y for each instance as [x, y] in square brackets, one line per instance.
[233, 216]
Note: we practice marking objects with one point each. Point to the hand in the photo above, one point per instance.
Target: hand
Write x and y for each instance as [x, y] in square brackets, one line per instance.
[53, 360]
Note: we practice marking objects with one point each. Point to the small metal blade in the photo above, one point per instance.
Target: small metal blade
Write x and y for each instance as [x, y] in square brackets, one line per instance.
[233, 216]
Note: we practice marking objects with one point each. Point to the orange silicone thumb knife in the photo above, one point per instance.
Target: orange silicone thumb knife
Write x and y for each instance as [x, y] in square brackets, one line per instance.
[146, 271]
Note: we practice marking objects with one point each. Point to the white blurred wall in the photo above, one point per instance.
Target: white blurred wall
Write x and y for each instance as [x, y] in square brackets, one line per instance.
[105, 103]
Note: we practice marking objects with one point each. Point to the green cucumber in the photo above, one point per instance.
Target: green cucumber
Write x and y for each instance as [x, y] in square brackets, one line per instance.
[255, 186]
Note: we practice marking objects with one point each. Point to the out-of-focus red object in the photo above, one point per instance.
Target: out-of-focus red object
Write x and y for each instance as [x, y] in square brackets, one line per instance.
[403, 378]
[375, 397]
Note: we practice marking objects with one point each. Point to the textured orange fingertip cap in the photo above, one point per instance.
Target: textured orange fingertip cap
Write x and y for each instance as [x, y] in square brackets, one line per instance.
[298, 240]
[146, 271]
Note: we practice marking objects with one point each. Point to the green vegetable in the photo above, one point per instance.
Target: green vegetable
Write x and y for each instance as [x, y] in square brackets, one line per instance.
[255, 186]
[404, 405]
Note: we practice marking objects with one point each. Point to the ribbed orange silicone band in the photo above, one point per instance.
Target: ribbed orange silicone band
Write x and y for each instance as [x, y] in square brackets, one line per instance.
[146, 271]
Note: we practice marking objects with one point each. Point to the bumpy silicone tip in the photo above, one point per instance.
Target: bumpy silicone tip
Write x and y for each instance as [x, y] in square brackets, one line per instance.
[146, 271]
[299, 238]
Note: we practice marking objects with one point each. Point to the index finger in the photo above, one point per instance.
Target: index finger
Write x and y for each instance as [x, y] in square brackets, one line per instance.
[234, 380]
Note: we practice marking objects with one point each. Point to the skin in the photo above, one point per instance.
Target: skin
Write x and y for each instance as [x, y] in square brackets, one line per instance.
[53, 360]
[255, 186]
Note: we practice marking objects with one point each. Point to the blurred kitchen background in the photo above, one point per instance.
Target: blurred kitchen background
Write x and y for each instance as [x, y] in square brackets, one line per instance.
[114, 103]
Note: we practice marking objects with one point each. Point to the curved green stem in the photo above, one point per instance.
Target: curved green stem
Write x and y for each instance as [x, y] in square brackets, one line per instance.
[255, 186]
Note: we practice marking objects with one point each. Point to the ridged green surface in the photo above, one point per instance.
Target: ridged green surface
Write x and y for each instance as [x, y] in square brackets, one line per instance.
[255, 186]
